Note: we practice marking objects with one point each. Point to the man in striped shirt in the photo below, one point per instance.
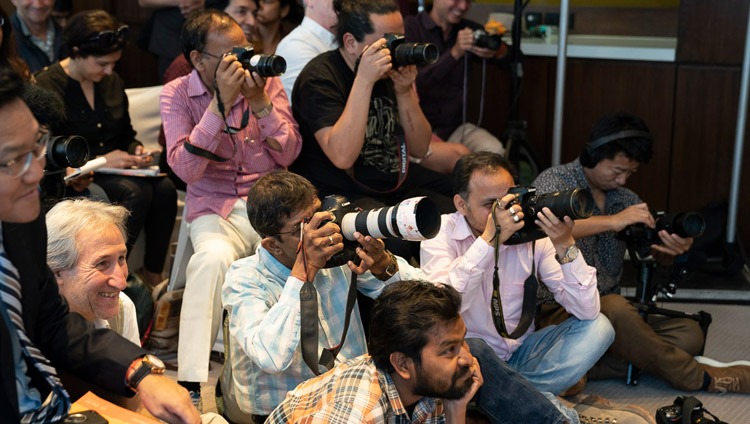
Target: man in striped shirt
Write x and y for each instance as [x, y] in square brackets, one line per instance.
[418, 370]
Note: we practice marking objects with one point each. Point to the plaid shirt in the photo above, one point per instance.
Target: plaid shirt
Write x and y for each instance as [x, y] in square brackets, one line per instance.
[262, 299]
[353, 392]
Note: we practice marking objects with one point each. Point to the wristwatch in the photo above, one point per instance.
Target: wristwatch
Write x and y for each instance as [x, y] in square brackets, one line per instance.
[149, 364]
[570, 255]
[263, 112]
[390, 270]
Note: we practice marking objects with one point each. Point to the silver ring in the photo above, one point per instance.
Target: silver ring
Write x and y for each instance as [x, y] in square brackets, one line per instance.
[516, 218]
[512, 212]
[331, 239]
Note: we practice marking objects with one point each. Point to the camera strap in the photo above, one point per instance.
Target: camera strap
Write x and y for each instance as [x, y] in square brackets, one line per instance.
[245, 115]
[308, 299]
[530, 286]
[198, 151]
[403, 167]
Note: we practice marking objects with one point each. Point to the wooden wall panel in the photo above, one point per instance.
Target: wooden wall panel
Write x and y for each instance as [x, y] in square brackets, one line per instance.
[712, 31]
[595, 87]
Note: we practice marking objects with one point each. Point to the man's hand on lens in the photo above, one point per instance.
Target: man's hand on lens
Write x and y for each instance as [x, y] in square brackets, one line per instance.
[560, 232]
[372, 255]
[320, 242]
[464, 41]
[230, 76]
[403, 78]
[674, 245]
[253, 89]
[510, 220]
[375, 62]
[636, 214]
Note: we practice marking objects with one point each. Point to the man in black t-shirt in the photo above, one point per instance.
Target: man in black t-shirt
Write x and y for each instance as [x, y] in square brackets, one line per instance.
[360, 118]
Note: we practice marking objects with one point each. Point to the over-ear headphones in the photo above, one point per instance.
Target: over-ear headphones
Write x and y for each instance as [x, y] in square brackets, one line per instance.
[595, 144]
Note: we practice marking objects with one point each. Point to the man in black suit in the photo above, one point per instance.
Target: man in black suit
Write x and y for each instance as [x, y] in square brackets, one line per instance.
[37, 332]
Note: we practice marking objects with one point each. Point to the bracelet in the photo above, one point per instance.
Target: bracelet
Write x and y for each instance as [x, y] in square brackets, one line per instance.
[263, 112]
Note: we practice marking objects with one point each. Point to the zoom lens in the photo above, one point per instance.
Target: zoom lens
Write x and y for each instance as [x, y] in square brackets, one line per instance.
[415, 54]
[267, 65]
[417, 218]
[64, 152]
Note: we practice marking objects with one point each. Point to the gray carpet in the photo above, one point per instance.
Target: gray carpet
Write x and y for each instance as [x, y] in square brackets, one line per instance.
[728, 340]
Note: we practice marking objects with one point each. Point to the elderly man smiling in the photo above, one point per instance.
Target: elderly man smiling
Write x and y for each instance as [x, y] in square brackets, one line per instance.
[86, 251]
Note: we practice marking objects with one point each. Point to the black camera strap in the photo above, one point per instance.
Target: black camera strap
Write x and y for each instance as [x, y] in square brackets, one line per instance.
[403, 167]
[308, 300]
[199, 151]
[530, 286]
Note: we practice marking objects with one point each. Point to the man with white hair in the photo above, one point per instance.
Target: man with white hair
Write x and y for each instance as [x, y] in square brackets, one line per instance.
[86, 252]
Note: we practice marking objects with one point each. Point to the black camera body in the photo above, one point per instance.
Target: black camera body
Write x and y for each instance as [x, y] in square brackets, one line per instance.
[84, 417]
[62, 152]
[414, 219]
[266, 65]
[484, 39]
[684, 224]
[577, 204]
[674, 413]
[403, 53]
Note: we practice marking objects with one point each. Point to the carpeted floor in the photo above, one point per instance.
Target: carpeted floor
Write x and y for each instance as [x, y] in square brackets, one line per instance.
[728, 340]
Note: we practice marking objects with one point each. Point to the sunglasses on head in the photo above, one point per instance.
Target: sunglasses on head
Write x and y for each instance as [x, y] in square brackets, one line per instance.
[110, 37]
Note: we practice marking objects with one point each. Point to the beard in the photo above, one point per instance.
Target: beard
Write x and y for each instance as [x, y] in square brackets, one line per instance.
[426, 386]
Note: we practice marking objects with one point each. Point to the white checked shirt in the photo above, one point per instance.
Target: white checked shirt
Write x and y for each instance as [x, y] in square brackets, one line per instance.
[262, 299]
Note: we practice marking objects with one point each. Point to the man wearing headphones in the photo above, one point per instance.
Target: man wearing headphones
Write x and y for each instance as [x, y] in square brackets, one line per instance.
[618, 144]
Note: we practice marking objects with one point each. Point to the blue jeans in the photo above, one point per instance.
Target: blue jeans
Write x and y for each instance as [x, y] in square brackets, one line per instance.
[507, 397]
[556, 357]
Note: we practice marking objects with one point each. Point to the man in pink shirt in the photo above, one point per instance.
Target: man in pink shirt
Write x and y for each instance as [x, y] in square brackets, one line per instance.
[464, 256]
[225, 128]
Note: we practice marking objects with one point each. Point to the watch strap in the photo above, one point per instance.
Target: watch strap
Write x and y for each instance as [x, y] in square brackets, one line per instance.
[390, 270]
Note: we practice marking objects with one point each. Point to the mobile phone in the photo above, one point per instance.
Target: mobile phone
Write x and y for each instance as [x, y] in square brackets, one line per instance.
[85, 417]
[145, 155]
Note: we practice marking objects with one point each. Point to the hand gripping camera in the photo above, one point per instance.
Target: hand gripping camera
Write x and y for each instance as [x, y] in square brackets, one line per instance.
[403, 53]
[577, 204]
[414, 219]
[684, 224]
[266, 65]
[490, 41]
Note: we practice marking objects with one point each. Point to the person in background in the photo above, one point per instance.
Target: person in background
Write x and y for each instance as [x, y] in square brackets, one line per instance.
[8, 50]
[275, 19]
[38, 37]
[96, 108]
[315, 35]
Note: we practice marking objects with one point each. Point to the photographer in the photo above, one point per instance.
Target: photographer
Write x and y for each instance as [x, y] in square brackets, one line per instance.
[225, 127]
[469, 254]
[441, 84]
[360, 117]
[618, 144]
[262, 294]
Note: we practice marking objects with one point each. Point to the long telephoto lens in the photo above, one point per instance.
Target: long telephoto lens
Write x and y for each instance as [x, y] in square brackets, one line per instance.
[416, 218]
[577, 204]
[267, 65]
[64, 152]
[415, 54]
[684, 224]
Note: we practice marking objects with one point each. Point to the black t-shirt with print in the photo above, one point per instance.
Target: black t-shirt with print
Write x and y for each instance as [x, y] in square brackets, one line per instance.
[318, 100]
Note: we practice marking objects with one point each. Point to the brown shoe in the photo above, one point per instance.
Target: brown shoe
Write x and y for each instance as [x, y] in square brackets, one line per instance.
[595, 410]
[575, 389]
[735, 379]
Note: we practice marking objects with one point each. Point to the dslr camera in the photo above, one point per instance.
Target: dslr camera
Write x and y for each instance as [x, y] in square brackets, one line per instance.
[484, 39]
[403, 53]
[266, 65]
[62, 152]
[414, 219]
[684, 224]
[674, 413]
[577, 204]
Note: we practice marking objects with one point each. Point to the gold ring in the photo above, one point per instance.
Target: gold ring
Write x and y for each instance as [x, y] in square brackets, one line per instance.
[331, 239]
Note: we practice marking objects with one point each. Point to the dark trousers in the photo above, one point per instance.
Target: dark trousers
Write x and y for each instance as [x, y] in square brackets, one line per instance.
[152, 202]
[663, 346]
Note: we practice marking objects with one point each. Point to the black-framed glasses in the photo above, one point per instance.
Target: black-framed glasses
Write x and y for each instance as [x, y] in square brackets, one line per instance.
[110, 37]
[21, 164]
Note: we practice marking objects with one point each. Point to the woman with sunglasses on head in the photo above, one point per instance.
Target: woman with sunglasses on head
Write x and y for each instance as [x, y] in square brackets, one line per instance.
[97, 108]
[275, 19]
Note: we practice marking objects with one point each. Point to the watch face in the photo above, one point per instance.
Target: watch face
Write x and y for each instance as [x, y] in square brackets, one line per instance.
[155, 362]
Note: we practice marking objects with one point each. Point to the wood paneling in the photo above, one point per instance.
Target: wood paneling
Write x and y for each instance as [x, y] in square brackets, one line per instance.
[712, 31]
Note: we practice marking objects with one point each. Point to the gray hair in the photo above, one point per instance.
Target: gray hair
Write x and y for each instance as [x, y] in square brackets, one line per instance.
[69, 218]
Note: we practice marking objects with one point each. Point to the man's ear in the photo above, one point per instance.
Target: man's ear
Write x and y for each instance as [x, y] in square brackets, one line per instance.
[196, 58]
[460, 203]
[351, 45]
[403, 366]
[271, 244]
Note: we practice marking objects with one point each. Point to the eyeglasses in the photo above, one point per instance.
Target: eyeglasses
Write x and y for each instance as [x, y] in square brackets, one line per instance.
[110, 37]
[211, 55]
[295, 230]
[22, 163]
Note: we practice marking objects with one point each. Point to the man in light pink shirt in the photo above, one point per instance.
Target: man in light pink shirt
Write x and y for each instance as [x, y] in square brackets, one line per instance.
[463, 255]
[219, 154]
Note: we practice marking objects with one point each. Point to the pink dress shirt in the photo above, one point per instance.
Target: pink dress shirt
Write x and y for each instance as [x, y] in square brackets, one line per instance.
[214, 187]
[466, 262]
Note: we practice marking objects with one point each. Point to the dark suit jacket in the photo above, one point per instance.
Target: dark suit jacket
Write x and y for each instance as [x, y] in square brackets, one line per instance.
[68, 340]
[29, 52]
